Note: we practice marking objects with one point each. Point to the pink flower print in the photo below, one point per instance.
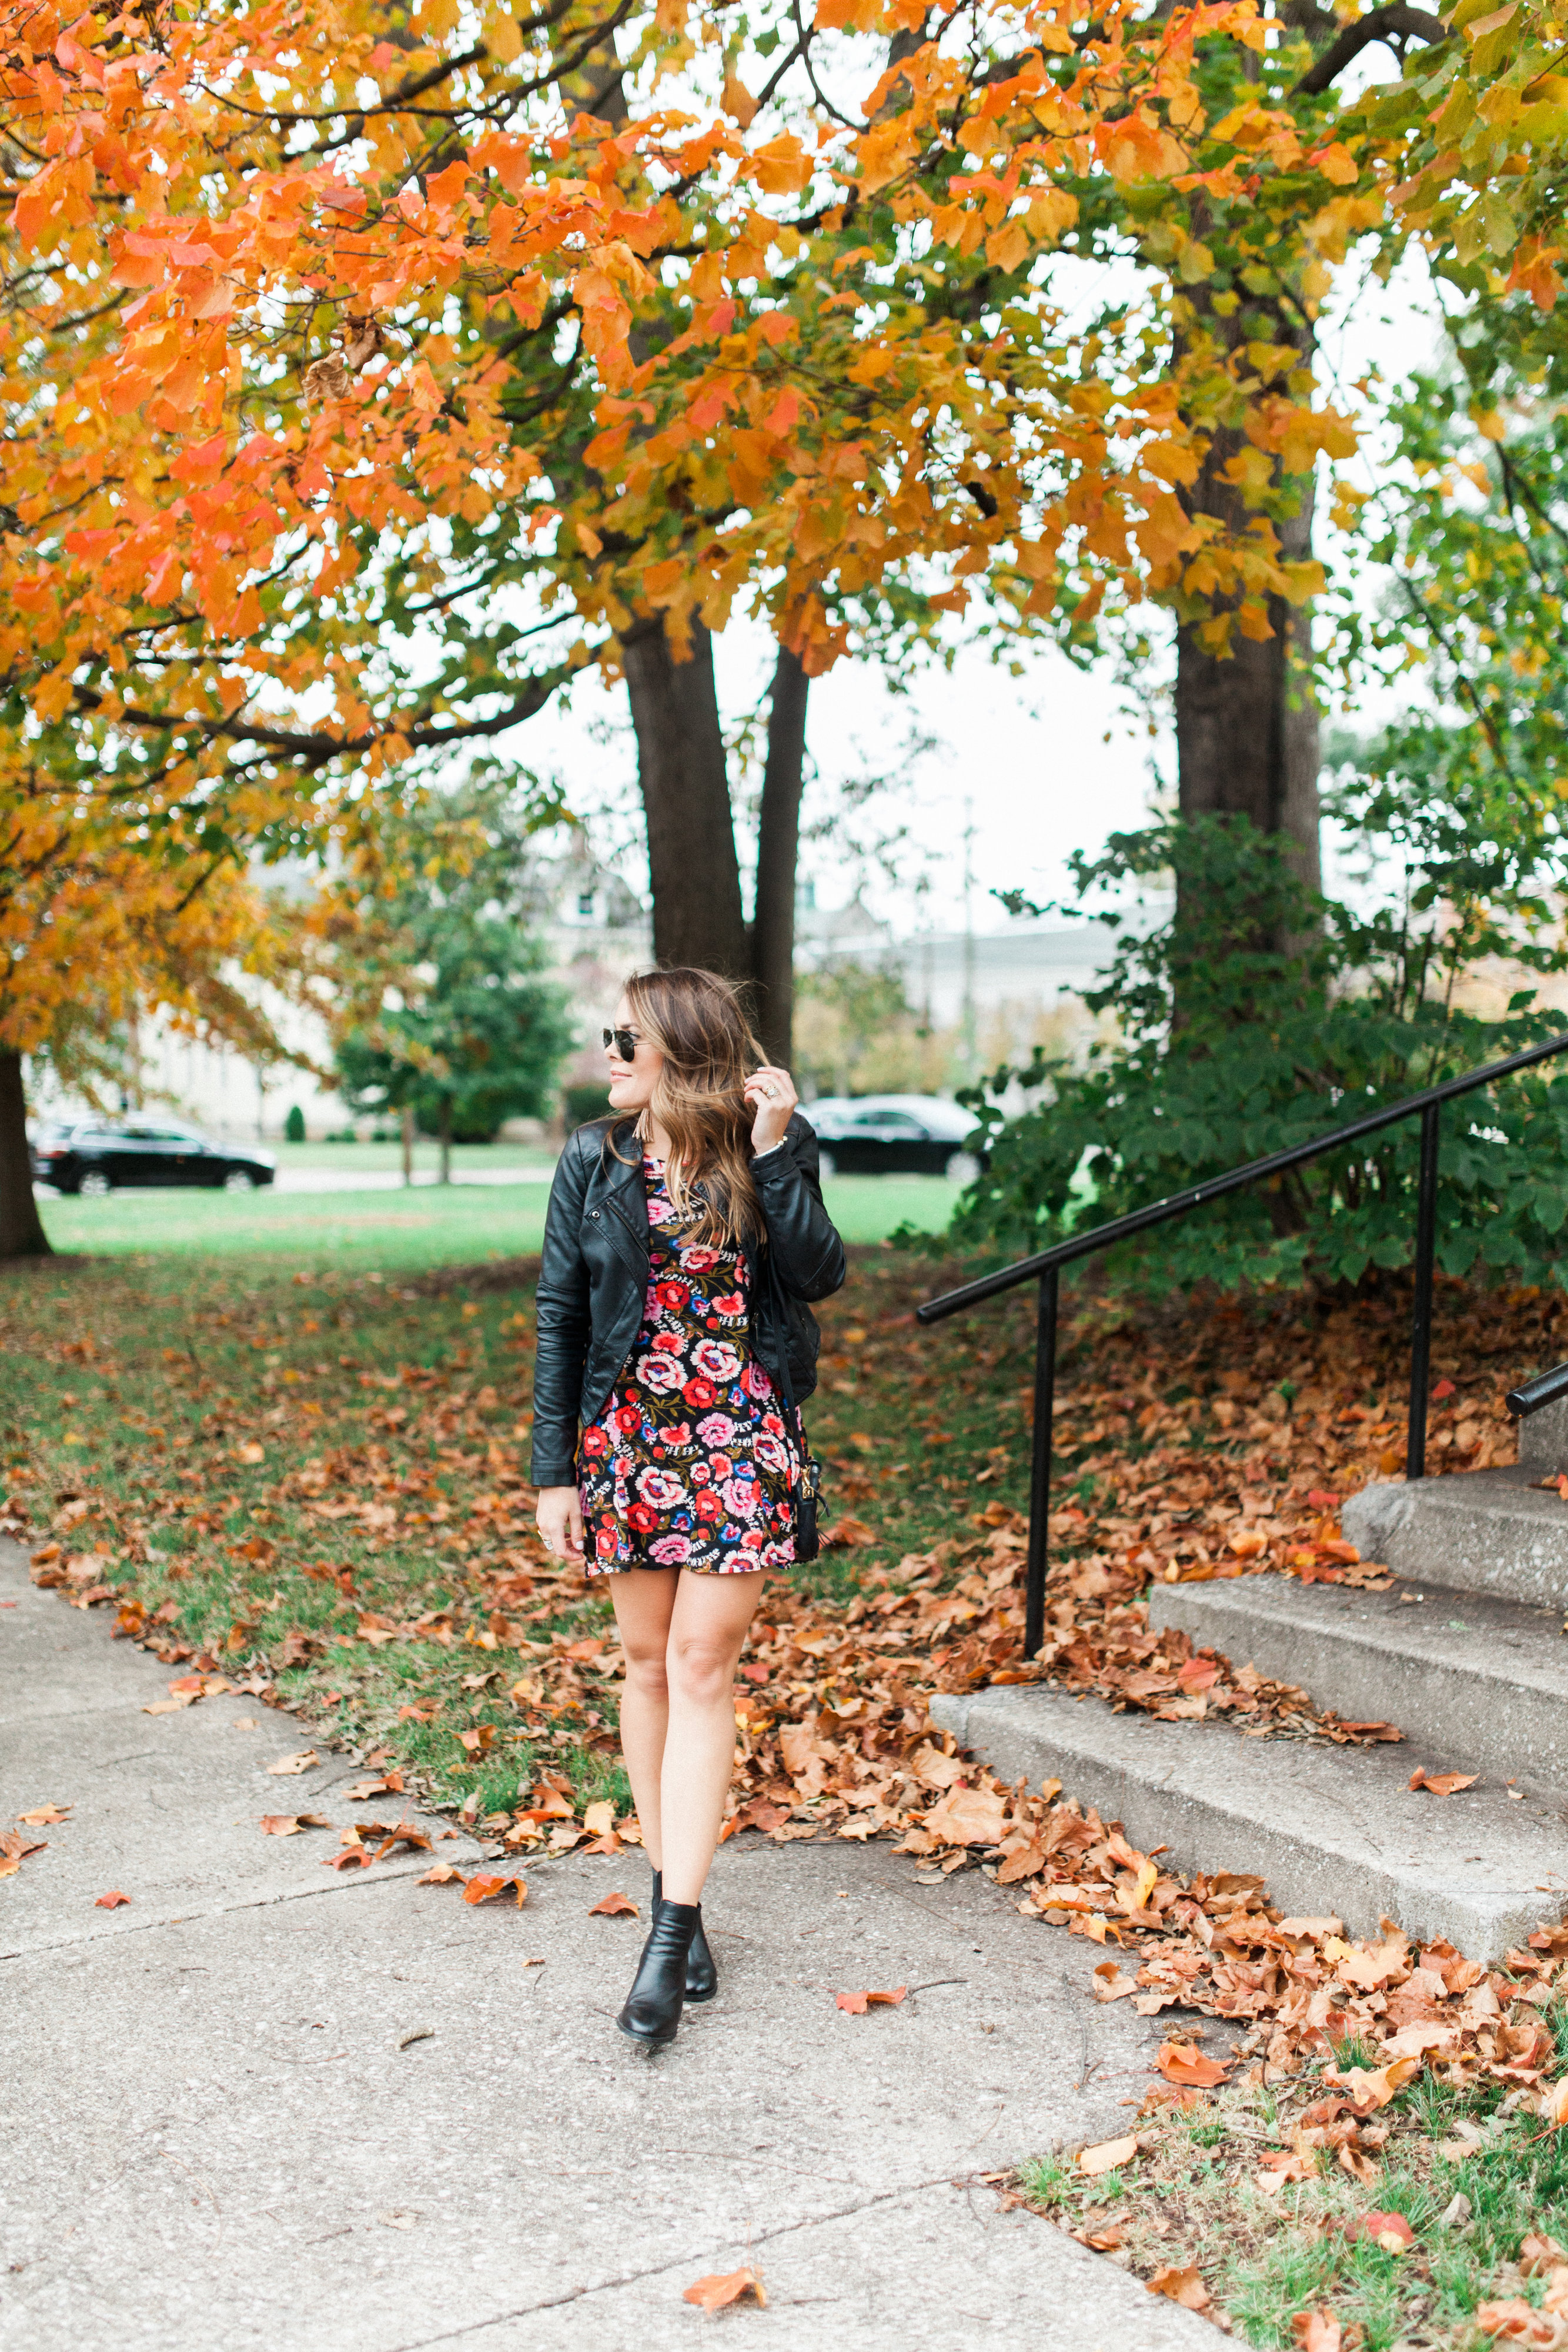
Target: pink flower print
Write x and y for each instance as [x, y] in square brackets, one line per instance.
[716, 1358]
[721, 1465]
[699, 1261]
[661, 1488]
[669, 1342]
[770, 1452]
[732, 1303]
[740, 1497]
[755, 1381]
[660, 1373]
[670, 1550]
[716, 1430]
[678, 1434]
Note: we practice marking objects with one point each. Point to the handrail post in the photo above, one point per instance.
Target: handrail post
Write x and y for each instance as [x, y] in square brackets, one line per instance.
[1421, 1312]
[1040, 1477]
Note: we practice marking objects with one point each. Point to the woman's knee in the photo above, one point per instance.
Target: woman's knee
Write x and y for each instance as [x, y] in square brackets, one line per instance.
[646, 1672]
[701, 1672]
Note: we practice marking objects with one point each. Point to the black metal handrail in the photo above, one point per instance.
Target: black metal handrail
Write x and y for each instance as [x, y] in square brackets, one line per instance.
[1045, 1267]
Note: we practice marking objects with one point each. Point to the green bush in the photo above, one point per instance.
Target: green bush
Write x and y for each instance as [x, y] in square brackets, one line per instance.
[583, 1103]
[293, 1125]
[1258, 1017]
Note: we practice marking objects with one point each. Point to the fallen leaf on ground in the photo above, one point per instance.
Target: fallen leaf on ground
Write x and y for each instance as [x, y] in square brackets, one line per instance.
[1368, 2087]
[1106, 2156]
[1443, 1784]
[1101, 2240]
[855, 2004]
[969, 1817]
[1554, 2111]
[1316, 2331]
[614, 1907]
[289, 1824]
[485, 1887]
[1539, 2254]
[1108, 1983]
[302, 1763]
[1392, 2232]
[711, 2293]
[1178, 2061]
[444, 1875]
[599, 1819]
[415, 2033]
[1514, 2321]
[172, 1705]
[379, 1784]
[42, 1815]
[110, 1902]
[1183, 2287]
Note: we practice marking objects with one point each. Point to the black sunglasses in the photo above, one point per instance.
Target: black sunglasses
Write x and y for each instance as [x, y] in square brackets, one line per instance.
[625, 1041]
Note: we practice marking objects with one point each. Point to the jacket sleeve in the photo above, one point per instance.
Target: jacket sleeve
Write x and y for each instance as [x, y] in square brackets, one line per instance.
[806, 1247]
[563, 1325]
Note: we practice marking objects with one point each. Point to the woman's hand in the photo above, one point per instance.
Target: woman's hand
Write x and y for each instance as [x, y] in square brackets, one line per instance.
[559, 1516]
[772, 1097]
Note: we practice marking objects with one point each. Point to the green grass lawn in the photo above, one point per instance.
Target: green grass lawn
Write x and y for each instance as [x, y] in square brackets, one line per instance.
[402, 1232]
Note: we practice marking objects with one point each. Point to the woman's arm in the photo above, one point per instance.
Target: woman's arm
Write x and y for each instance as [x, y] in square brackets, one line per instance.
[564, 1325]
[806, 1247]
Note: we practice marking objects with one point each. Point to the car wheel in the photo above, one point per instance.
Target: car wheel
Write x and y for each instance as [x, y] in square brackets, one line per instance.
[826, 1164]
[962, 1168]
[239, 1180]
[94, 1183]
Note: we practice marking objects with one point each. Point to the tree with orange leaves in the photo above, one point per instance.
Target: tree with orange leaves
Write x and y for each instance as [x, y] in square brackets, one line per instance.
[343, 367]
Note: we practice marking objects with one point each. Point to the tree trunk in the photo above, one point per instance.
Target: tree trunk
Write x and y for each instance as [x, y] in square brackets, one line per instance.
[1247, 726]
[778, 854]
[21, 1233]
[445, 1139]
[692, 861]
[408, 1143]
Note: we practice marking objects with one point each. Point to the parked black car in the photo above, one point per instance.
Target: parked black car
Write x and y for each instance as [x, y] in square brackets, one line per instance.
[903, 1135]
[97, 1156]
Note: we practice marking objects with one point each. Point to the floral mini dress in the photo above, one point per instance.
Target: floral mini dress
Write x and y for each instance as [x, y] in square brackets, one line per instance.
[691, 1464]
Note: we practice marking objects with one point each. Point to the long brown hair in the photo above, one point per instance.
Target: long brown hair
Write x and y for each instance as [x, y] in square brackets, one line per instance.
[696, 1021]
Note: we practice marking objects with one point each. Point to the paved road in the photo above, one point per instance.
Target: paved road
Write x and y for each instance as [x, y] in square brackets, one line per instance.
[211, 2137]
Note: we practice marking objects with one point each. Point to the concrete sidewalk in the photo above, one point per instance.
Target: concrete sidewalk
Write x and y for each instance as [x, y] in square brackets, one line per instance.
[211, 2138]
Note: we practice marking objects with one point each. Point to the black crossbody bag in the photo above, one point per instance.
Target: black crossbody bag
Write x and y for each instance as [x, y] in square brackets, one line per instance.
[808, 1533]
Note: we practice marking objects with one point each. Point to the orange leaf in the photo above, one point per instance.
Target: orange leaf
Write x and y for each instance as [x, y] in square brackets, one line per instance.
[1315, 2331]
[711, 2293]
[444, 1875]
[614, 1907]
[42, 1815]
[1178, 2061]
[1514, 2321]
[1392, 2232]
[110, 1902]
[1109, 2156]
[484, 1887]
[289, 1825]
[855, 2004]
[1443, 1784]
[1183, 2287]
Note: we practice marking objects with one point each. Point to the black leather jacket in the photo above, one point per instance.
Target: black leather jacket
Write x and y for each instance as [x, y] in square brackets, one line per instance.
[593, 1281]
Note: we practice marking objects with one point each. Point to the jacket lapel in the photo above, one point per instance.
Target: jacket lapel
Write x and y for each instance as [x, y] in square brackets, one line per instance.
[627, 1199]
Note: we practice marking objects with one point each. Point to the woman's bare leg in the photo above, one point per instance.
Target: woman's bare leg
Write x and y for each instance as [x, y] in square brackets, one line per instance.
[707, 1627]
[644, 1601]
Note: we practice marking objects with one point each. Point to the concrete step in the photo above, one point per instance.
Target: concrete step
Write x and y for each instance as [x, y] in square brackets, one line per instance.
[1333, 1829]
[1477, 1684]
[1477, 1531]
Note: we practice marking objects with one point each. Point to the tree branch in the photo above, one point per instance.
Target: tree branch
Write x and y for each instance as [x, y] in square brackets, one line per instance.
[1395, 24]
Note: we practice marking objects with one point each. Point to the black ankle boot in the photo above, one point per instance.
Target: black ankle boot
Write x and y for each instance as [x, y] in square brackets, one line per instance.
[702, 1970]
[653, 2009]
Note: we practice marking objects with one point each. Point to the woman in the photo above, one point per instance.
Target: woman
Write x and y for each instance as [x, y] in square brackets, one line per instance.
[684, 1232]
